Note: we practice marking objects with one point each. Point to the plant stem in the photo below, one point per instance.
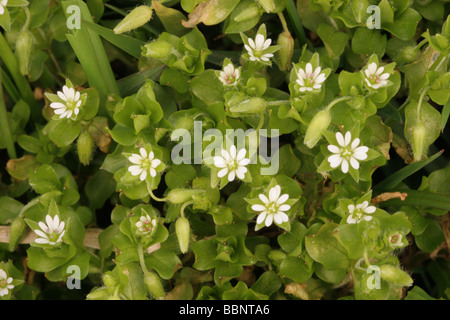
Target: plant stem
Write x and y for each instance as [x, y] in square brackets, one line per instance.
[141, 258]
[334, 102]
[184, 207]
[150, 192]
[283, 22]
[4, 125]
[419, 105]
[277, 102]
[261, 122]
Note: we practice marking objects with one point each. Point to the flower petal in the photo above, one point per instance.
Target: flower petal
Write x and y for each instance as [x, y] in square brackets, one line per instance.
[274, 193]
[335, 160]
[269, 220]
[258, 207]
[222, 173]
[333, 148]
[261, 218]
[344, 166]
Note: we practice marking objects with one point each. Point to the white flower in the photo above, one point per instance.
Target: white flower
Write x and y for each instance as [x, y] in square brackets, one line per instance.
[395, 240]
[71, 103]
[347, 151]
[52, 232]
[359, 213]
[309, 80]
[5, 283]
[143, 163]
[232, 163]
[273, 208]
[255, 48]
[375, 77]
[145, 224]
[230, 75]
[3, 4]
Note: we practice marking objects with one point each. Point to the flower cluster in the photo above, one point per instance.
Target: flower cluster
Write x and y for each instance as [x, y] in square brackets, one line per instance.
[360, 212]
[145, 224]
[309, 80]
[230, 75]
[375, 78]
[255, 48]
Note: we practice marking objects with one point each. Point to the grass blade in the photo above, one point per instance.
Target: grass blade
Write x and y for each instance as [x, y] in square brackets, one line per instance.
[128, 44]
[393, 180]
[132, 83]
[419, 198]
[6, 136]
[89, 50]
[9, 86]
[295, 19]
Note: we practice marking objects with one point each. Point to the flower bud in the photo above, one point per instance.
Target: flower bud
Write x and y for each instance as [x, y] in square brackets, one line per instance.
[268, 5]
[418, 140]
[16, 231]
[183, 231]
[157, 50]
[99, 294]
[154, 285]
[135, 19]
[316, 127]
[178, 196]
[407, 55]
[85, 146]
[286, 43]
[109, 280]
[249, 106]
[395, 275]
[24, 47]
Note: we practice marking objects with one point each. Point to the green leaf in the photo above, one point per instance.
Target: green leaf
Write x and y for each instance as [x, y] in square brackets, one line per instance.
[431, 238]
[178, 175]
[63, 132]
[268, 283]
[417, 293]
[9, 209]
[164, 261]
[369, 41]
[323, 247]
[99, 188]
[297, 269]
[404, 26]
[44, 179]
[334, 41]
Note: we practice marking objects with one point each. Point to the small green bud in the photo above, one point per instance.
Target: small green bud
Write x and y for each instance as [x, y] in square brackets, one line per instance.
[135, 19]
[441, 41]
[185, 123]
[418, 140]
[85, 147]
[286, 43]
[109, 280]
[267, 5]
[157, 49]
[249, 106]
[183, 231]
[98, 294]
[178, 196]
[16, 232]
[407, 55]
[24, 47]
[316, 127]
[395, 275]
[154, 285]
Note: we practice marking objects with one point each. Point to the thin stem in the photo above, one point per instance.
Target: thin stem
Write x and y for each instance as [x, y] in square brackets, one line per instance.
[184, 207]
[283, 22]
[4, 125]
[261, 122]
[334, 102]
[277, 102]
[27, 22]
[153, 196]
[366, 258]
[141, 258]
[419, 105]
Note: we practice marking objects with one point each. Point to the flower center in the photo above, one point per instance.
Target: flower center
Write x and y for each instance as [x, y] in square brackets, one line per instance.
[346, 153]
[3, 283]
[230, 78]
[147, 226]
[374, 79]
[272, 207]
